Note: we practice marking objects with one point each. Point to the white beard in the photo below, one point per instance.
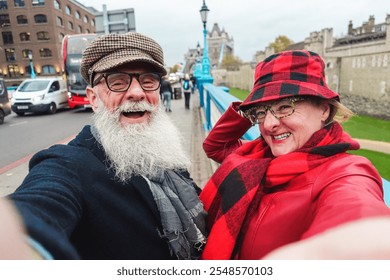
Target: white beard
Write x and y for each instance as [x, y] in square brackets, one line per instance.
[140, 149]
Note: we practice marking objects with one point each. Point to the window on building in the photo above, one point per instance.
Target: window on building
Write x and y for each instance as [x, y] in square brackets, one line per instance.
[70, 25]
[19, 3]
[13, 70]
[385, 60]
[57, 5]
[4, 20]
[25, 36]
[43, 35]
[61, 36]
[85, 19]
[38, 2]
[22, 19]
[27, 69]
[7, 37]
[77, 14]
[10, 54]
[40, 18]
[88, 31]
[48, 69]
[68, 10]
[93, 22]
[25, 53]
[79, 29]
[59, 21]
[373, 61]
[45, 52]
[382, 86]
[3, 5]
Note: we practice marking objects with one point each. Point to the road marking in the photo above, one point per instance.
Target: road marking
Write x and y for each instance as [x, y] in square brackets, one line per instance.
[19, 123]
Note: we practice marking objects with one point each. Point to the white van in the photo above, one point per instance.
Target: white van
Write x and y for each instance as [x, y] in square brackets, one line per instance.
[39, 95]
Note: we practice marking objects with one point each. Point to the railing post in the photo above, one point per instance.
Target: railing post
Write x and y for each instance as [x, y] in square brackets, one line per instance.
[208, 111]
[200, 84]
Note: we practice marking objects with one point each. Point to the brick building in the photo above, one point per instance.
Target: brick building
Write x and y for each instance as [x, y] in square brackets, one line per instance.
[37, 27]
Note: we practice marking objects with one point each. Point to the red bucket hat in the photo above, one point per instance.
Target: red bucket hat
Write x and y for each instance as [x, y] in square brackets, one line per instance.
[288, 74]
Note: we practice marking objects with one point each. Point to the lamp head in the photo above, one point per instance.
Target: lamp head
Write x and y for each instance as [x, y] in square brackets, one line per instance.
[204, 12]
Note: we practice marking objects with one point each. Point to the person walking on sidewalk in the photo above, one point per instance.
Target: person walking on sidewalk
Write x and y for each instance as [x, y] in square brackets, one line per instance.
[186, 85]
[120, 189]
[166, 90]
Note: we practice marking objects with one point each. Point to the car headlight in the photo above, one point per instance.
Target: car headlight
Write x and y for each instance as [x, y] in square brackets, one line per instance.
[38, 98]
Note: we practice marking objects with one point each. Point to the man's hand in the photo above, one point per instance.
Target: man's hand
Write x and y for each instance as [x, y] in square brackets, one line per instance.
[13, 238]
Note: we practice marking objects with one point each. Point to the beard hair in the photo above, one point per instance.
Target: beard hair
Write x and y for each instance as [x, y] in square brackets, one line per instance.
[144, 149]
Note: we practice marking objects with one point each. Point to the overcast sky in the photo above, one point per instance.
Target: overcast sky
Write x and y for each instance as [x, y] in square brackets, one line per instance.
[253, 24]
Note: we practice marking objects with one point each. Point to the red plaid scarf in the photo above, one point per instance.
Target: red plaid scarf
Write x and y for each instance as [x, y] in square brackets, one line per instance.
[238, 184]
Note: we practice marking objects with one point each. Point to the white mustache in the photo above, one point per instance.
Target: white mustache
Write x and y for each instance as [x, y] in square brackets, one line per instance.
[135, 107]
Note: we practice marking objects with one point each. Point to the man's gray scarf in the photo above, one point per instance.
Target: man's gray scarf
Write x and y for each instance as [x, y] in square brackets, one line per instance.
[182, 214]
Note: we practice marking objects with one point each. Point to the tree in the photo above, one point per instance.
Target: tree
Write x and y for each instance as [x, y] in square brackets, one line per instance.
[231, 62]
[281, 43]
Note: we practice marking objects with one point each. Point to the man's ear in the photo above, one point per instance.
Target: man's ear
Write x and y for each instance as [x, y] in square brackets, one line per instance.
[92, 97]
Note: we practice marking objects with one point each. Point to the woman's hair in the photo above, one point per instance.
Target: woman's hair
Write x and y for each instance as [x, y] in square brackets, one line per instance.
[338, 112]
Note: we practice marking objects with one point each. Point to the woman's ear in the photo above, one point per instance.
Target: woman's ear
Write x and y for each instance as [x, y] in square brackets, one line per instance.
[92, 97]
[325, 107]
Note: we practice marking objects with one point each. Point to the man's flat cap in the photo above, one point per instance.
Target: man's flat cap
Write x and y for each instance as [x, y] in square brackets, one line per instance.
[114, 50]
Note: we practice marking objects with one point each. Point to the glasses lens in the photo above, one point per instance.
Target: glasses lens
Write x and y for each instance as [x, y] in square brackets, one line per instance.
[283, 108]
[260, 113]
[118, 81]
[149, 81]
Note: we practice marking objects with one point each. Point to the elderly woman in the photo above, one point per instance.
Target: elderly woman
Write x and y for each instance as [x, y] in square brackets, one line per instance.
[297, 180]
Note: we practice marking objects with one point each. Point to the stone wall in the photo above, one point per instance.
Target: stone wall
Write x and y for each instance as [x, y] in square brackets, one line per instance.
[361, 105]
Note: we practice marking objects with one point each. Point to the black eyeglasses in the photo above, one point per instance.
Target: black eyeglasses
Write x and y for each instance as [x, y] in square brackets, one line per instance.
[280, 109]
[120, 82]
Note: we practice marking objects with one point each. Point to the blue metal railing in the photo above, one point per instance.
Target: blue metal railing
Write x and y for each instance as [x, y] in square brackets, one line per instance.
[217, 100]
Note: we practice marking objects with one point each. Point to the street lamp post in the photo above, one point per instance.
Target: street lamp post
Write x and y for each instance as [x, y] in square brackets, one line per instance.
[204, 11]
[32, 73]
[198, 66]
[206, 77]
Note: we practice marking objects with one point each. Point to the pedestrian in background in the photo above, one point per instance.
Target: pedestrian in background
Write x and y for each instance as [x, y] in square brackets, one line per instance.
[186, 86]
[193, 81]
[166, 91]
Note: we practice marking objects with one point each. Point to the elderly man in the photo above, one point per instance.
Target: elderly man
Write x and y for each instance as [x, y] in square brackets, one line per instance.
[120, 189]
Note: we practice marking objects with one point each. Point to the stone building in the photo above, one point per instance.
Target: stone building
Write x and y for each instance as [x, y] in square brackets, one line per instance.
[219, 44]
[357, 65]
[38, 27]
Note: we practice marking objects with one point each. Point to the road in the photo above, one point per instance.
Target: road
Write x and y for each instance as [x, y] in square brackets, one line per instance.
[25, 135]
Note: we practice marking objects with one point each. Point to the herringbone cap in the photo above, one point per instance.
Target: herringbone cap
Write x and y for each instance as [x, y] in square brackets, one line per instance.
[114, 50]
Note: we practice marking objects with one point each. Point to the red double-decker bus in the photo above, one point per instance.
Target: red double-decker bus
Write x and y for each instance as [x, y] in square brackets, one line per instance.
[72, 50]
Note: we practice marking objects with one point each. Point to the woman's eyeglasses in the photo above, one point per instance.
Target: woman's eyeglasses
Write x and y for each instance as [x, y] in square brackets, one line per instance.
[280, 109]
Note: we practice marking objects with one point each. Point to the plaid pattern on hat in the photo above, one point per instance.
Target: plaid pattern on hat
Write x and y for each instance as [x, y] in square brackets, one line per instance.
[286, 74]
[114, 50]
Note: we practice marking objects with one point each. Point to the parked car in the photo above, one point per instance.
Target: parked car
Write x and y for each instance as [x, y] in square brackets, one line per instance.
[39, 95]
[5, 107]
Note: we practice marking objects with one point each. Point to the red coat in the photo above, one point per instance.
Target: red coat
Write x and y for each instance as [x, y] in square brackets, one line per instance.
[344, 189]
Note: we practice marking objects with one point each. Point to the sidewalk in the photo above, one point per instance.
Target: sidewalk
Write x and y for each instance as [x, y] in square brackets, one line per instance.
[378, 146]
[190, 124]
